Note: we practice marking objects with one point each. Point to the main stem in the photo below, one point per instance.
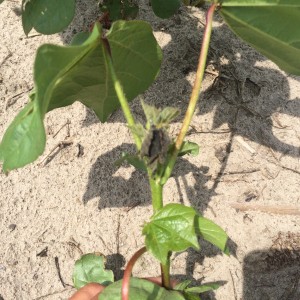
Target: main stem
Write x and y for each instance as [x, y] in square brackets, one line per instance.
[156, 193]
[157, 185]
[195, 93]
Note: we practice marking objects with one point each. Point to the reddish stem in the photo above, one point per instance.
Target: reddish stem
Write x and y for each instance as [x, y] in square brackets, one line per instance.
[128, 271]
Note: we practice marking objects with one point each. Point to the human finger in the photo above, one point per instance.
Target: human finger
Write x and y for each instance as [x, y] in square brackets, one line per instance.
[90, 291]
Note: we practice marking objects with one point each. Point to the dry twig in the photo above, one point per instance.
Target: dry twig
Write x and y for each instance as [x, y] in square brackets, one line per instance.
[271, 209]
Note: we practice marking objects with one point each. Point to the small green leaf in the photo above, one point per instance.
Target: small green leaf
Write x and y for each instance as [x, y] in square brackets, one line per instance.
[212, 233]
[256, 22]
[191, 296]
[130, 10]
[17, 147]
[159, 117]
[166, 8]
[166, 116]
[140, 289]
[1, 1]
[132, 160]
[189, 148]
[47, 17]
[171, 229]
[120, 9]
[151, 114]
[203, 288]
[139, 130]
[90, 268]
[182, 285]
[113, 7]
[189, 293]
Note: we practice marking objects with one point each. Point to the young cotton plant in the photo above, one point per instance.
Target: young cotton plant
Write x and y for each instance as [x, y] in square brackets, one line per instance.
[106, 70]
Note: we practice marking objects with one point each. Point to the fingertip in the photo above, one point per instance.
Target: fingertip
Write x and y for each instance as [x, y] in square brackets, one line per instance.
[90, 291]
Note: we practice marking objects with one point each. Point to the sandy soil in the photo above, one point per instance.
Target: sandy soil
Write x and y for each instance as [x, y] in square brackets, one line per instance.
[74, 200]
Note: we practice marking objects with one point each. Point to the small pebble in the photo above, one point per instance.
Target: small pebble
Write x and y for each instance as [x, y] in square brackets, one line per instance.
[12, 227]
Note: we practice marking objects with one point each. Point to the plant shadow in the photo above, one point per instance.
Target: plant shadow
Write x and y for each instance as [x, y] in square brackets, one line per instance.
[242, 92]
[272, 274]
[106, 182]
[116, 263]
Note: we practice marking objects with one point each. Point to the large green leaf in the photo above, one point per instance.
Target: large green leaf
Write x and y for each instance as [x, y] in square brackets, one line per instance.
[140, 289]
[90, 268]
[171, 229]
[46, 16]
[212, 233]
[166, 8]
[64, 75]
[270, 26]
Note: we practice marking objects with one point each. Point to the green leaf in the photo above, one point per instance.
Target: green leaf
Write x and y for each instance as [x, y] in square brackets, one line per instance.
[1, 1]
[166, 116]
[191, 296]
[80, 73]
[132, 160]
[90, 268]
[203, 288]
[189, 148]
[139, 130]
[151, 113]
[140, 289]
[212, 233]
[189, 293]
[17, 147]
[166, 8]
[120, 9]
[182, 285]
[136, 56]
[46, 16]
[256, 22]
[159, 117]
[80, 38]
[171, 229]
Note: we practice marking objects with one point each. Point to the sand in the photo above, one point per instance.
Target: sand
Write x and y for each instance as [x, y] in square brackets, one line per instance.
[74, 200]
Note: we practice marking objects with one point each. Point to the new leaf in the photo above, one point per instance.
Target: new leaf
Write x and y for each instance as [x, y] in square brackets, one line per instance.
[171, 229]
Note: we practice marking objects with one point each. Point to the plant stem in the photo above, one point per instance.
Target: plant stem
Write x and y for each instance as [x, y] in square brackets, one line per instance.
[120, 93]
[165, 273]
[156, 194]
[128, 271]
[195, 93]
